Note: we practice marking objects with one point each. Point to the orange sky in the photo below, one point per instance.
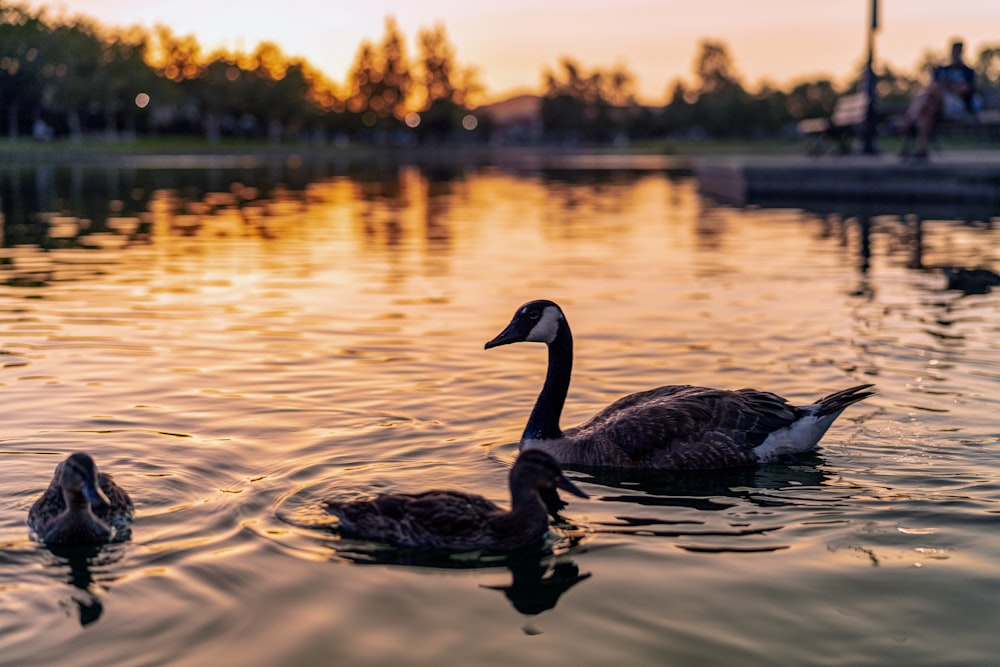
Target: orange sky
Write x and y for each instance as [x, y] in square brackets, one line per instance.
[513, 41]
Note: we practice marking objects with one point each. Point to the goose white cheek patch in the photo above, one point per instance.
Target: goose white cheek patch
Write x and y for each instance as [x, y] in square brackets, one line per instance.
[547, 328]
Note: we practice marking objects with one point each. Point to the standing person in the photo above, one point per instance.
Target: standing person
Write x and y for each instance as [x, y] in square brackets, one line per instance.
[949, 95]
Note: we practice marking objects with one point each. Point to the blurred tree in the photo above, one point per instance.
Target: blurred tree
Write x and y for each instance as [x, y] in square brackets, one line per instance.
[714, 68]
[396, 79]
[446, 88]
[73, 55]
[722, 107]
[811, 99]
[380, 80]
[21, 36]
[179, 60]
[987, 65]
[437, 61]
[592, 106]
[363, 79]
[122, 76]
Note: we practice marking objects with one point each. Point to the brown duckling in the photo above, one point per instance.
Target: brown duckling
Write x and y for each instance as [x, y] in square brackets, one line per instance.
[81, 506]
[458, 521]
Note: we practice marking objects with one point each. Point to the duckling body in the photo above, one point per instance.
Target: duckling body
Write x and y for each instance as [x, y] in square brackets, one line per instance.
[453, 520]
[675, 427]
[81, 506]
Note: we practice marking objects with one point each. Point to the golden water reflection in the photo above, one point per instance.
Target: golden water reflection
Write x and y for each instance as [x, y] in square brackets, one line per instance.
[238, 344]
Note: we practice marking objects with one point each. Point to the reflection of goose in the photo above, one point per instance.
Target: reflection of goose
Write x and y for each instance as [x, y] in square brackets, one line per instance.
[970, 281]
[81, 506]
[669, 428]
[460, 521]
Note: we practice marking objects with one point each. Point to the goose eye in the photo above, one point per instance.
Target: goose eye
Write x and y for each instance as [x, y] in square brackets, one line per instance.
[534, 314]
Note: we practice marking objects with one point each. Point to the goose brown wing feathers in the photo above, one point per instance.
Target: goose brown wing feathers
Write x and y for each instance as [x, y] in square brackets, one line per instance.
[682, 426]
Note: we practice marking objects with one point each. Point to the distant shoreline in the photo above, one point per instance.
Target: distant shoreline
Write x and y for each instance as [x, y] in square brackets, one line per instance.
[192, 153]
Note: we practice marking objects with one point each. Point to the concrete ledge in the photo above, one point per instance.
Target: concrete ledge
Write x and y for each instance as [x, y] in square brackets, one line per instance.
[958, 178]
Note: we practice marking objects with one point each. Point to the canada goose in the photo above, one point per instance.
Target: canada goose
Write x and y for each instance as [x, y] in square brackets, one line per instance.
[81, 506]
[459, 521]
[674, 427]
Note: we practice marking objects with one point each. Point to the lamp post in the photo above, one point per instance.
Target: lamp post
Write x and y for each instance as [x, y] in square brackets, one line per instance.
[868, 146]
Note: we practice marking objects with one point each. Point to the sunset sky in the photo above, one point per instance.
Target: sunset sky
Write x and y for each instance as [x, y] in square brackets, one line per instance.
[512, 42]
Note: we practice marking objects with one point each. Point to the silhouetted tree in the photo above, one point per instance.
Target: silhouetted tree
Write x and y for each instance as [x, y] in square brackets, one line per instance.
[714, 68]
[380, 80]
[987, 65]
[593, 106]
[22, 36]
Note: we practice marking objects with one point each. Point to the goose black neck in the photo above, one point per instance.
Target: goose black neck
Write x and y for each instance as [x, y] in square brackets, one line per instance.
[543, 424]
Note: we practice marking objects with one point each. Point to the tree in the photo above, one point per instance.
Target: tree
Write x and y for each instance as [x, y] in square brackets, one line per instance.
[722, 105]
[396, 79]
[437, 61]
[597, 105]
[987, 66]
[21, 81]
[122, 76]
[73, 58]
[380, 80]
[714, 68]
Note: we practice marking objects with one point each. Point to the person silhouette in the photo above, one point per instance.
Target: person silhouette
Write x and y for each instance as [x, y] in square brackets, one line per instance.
[950, 94]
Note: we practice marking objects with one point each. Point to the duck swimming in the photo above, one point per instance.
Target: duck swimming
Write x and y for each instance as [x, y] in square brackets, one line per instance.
[81, 506]
[459, 521]
[675, 427]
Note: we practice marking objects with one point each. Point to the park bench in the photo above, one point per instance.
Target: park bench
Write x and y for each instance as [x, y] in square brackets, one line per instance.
[840, 129]
[985, 122]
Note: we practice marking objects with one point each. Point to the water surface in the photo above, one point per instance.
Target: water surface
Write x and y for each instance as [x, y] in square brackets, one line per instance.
[235, 344]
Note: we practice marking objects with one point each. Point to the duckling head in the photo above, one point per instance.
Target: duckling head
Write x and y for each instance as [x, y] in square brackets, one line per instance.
[80, 479]
[537, 470]
[536, 321]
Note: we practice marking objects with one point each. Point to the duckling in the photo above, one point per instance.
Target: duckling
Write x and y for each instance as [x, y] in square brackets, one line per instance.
[81, 506]
[675, 427]
[456, 521]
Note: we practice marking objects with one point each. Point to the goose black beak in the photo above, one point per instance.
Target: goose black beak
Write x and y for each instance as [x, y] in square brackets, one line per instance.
[505, 337]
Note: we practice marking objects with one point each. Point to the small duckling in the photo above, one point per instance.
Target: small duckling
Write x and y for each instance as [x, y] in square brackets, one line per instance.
[458, 521]
[81, 506]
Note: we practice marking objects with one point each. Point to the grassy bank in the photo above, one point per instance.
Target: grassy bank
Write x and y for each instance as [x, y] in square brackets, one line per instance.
[100, 150]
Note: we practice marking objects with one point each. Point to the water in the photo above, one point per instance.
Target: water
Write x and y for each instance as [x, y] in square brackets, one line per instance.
[236, 343]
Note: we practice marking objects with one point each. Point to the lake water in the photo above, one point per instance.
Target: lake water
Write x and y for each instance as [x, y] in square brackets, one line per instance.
[237, 343]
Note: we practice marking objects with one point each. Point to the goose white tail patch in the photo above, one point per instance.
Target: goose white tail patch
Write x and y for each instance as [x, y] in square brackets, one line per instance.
[800, 436]
[548, 326]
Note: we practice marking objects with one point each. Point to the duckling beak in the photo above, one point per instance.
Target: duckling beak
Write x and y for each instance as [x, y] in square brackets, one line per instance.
[95, 496]
[563, 483]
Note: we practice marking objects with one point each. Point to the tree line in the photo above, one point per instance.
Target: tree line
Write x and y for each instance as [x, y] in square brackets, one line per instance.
[72, 76]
